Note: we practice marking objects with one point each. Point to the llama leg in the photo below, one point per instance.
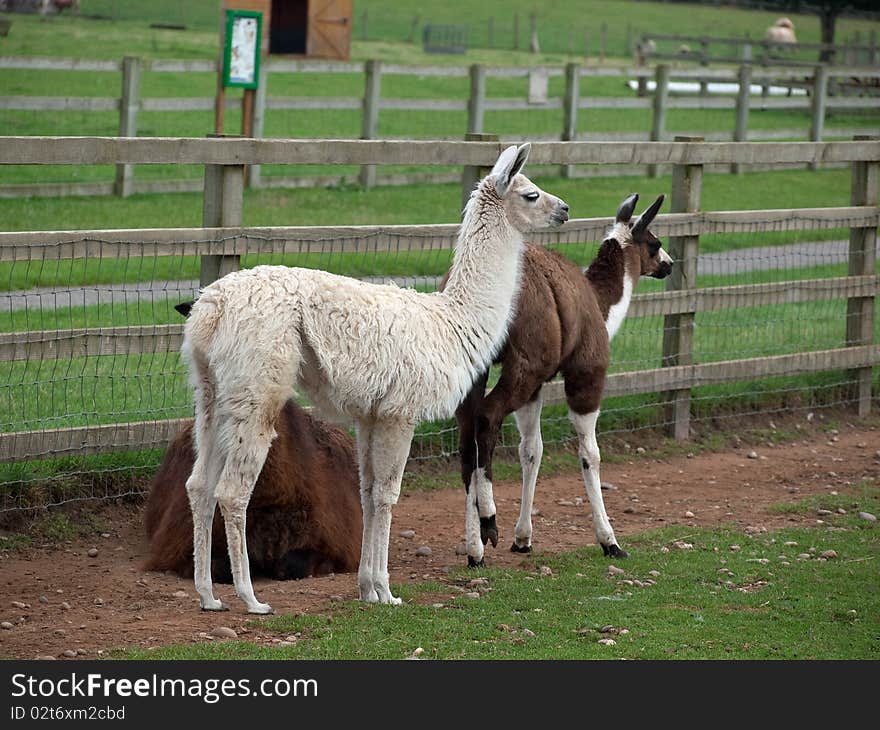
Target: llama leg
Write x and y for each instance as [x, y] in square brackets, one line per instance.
[365, 468]
[202, 504]
[248, 443]
[199, 485]
[507, 396]
[390, 449]
[466, 416]
[531, 448]
[588, 450]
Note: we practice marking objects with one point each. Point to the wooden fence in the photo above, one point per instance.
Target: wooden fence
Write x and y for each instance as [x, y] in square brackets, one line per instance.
[222, 241]
[570, 105]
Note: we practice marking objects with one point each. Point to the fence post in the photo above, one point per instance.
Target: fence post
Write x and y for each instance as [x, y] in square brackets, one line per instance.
[862, 261]
[370, 116]
[472, 174]
[221, 208]
[820, 89]
[477, 99]
[572, 97]
[129, 104]
[678, 329]
[658, 123]
[254, 179]
[741, 130]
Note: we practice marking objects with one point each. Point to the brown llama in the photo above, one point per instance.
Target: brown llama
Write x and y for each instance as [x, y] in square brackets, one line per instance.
[564, 322]
[304, 517]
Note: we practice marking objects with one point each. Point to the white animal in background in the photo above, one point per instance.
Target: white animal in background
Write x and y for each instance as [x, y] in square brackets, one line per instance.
[782, 31]
[383, 357]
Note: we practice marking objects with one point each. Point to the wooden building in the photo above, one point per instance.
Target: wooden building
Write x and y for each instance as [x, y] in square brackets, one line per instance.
[306, 28]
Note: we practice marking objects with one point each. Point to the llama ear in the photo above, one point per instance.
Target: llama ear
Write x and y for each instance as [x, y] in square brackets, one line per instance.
[509, 164]
[648, 216]
[627, 208]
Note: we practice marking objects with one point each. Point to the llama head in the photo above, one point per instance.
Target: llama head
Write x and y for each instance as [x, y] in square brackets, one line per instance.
[654, 261]
[526, 206]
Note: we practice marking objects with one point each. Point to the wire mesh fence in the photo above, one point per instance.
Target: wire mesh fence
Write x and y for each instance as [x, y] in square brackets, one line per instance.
[90, 354]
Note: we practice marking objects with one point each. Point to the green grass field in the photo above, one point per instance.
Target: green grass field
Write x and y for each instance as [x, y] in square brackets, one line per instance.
[760, 602]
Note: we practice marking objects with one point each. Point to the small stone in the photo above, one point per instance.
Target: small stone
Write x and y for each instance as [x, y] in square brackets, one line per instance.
[804, 556]
[472, 594]
[623, 632]
[59, 632]
[529, 633]
[6, 625]
[65, 606]
[69, 653]
[689, 514]
[99, 601]
[608, 486]
[545, 570]
[628, 511]
[565, 503]
[810, 417]
[614, 570]
[43, 599]
[681, 545]
[407, 534]
[752, 454]
[461, 549]
[336, 599]
[654, 573]
[44, 658]
[423, 552]
[828, 554]
[841, 511]
[223, 632]
[734, 548]
[19, 604]
[790, 543]
[536, 512]
[823, 512]
[638, 584]
[640, 449]
[179, 594]
[867, 516]
[664, 549]
[105, 535]
[93, 553]
[608, 642]
[418, 651]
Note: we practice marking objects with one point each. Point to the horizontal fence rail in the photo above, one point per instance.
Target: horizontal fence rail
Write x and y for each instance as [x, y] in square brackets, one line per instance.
[198, 151]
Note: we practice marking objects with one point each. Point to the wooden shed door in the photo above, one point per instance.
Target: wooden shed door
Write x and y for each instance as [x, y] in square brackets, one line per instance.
[329, 33]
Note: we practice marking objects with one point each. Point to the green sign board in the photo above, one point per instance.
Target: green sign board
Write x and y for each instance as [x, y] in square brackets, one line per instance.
[241, 55]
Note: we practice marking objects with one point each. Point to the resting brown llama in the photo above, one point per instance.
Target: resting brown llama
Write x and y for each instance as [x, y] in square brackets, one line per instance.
[304, 517]
[564, 322]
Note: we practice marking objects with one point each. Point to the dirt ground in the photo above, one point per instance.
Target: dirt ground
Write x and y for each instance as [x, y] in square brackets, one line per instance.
[58, 599]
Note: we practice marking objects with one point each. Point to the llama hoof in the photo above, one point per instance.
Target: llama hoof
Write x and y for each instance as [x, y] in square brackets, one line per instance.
[520, 548]
[261, 609]
[391, 600]
[474, 564]
[614, 551]
[369, 596]
[215, 605]
[489, 530]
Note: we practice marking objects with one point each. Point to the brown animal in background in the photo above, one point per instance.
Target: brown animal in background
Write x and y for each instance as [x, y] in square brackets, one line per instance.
[304, 517]
[564, 322]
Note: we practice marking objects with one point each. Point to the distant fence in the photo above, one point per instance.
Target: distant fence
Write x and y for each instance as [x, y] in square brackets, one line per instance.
[71, 388]
[661, 81]
[706, 50]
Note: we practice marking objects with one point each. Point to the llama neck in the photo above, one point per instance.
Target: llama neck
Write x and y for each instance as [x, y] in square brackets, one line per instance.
[613, 283]
[484, 277]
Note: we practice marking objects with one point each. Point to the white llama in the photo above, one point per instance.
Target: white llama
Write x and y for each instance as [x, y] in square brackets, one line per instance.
[384, 357]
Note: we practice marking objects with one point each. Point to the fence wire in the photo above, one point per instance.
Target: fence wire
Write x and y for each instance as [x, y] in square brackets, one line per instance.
[114, 386]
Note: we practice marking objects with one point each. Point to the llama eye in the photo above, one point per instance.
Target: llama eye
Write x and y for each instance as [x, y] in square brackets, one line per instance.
[531, 197]
[654, 248]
